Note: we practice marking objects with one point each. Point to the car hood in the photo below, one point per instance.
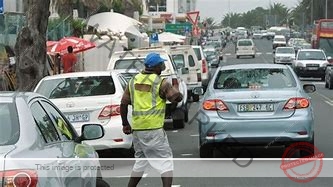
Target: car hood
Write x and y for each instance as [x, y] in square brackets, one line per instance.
[4, 150]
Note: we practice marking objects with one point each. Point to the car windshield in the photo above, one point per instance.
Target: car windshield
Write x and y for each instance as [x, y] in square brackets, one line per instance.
[9, 128]
[77, 87]
[137, 64]
[275, 78]
[279, 39]
[311, 55]
[285, 50]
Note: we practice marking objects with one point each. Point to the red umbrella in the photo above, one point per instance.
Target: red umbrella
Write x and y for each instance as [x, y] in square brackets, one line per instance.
[78, 44]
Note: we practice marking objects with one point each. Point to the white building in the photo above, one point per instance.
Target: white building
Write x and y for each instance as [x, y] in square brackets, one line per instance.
[178, 7]
[13, 6]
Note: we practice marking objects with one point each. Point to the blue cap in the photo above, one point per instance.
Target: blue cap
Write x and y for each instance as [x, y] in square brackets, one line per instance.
[153, 59]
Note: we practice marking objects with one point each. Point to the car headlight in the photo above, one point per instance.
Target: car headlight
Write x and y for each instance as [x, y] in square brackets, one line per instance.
[299, 64]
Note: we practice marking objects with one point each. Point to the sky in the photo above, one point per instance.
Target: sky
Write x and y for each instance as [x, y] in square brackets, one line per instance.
[218, 8]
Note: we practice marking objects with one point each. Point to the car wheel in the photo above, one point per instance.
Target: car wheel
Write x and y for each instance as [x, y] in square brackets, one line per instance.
[195, 98]
[101, 183]
[326, 84]
[185, 109]
[206, 151]
[253, 56]
[237, 56]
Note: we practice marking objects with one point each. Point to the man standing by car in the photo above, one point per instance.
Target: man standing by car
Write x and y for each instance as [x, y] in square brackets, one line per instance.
[69, 60]
[147, 92]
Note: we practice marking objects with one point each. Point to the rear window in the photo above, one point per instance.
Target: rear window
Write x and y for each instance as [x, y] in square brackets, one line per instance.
[77, 87]
[9, 128]
[137, 64]
[179, 60]
[198, 53]
[245, 43]
[247, 78]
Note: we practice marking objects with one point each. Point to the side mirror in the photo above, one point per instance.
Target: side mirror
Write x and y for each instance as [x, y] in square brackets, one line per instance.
[185, 71]
[198, 91]
[91, 132]
[309, 88]
[329, 58]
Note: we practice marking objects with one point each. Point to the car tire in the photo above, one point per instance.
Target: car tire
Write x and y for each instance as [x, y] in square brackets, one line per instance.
[326, 84]
[253, 56]
[237, 56]
[206, 151]
[195, 98]
[101, 183]
[185, 109]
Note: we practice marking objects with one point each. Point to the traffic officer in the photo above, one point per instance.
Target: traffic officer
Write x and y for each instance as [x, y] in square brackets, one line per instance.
[147, 92]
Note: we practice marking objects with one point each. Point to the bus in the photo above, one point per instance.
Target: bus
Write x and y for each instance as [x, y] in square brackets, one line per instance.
[322, 37]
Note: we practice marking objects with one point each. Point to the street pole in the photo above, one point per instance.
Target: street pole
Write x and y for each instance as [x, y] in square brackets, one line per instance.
[326, 10]
[229, 12]
[174, 11]
[311, 12]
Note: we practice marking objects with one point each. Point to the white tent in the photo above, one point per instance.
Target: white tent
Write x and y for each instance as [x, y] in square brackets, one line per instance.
[170, 37]
[115, 22]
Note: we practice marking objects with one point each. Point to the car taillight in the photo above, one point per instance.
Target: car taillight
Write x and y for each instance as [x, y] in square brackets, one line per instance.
[108, 111]
[296, 103]
[19, 178]
[204, 68]
[215, 104]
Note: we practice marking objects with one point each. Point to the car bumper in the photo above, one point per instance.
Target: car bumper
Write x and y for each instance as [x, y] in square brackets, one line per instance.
[284, 61]
[245, 53]
[307, 71]
[258, 132]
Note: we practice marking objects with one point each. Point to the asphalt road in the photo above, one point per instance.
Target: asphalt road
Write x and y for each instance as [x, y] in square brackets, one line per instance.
[184, 143]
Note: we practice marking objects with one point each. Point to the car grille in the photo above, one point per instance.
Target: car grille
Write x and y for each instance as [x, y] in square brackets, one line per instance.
[312, 65]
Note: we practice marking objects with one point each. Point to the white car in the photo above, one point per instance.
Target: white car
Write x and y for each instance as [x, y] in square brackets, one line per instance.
[311, 63]
[284, 55]
[279, 41]
[90, 97]
[245, 47]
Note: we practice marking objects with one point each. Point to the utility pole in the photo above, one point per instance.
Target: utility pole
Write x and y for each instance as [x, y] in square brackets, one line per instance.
[326, 9]
[229, 12]
[311, 12]
[174, 12]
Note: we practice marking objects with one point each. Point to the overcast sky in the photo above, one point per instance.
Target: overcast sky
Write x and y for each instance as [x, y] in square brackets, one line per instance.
[218, 8]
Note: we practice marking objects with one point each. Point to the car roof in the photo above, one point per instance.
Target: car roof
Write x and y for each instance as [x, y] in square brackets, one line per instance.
[253, 66]
[279, 36]
[311, 50]
[285, 47]
[80, 74]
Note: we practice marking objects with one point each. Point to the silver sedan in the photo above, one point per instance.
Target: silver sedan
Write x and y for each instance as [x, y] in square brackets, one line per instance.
[261, 104]
[39, 147]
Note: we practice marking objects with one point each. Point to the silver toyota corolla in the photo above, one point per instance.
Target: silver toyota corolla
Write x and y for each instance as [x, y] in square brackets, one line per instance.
[39, 147]
[262, 104]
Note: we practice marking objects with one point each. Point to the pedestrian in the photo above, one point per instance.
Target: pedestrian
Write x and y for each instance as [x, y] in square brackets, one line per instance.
[69, 60]
[147, 92]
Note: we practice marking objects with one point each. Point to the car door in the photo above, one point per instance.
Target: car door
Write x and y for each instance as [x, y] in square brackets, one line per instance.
[194, 69]
[71, 151]
[50, 146]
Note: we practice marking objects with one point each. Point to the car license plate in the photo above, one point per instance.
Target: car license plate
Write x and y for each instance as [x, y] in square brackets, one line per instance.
[255, 107]
[78, 117]
[313, 68]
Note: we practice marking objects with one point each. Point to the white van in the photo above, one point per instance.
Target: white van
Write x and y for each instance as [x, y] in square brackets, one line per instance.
[205, 73]
[245, 47]
[185, 58]
[130, 63]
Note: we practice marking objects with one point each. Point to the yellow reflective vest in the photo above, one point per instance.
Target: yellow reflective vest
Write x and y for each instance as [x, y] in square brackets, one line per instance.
[148, 107]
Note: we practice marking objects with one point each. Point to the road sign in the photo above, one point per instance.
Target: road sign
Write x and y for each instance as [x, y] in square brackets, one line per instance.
[193, 17]
[179, 28]
[154, 38]
[1, 7]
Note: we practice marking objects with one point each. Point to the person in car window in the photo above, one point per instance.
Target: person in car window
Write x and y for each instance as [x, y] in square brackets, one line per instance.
[147, 92]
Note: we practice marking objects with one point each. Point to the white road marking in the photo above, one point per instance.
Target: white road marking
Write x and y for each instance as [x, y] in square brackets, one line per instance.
[175, 131]
[258, 53]
[195, 135]
[188, 154]
[329, 103]
[269, 53]
[228, 54]
[176, 185]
